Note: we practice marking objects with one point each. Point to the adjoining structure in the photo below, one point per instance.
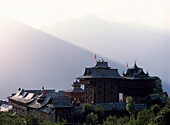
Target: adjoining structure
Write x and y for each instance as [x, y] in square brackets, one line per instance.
[76, 92]
[137, 84]
[47, 103]
[103, 84]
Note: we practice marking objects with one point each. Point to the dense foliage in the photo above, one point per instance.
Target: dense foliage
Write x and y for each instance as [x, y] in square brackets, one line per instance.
[155, 115]
[6, 118]
[158, 89]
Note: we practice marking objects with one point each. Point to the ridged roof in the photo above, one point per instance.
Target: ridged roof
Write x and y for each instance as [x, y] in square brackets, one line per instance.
[101, 70]
[136, 73]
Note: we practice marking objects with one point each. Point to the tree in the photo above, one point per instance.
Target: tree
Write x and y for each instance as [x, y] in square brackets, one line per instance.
[62, 122]
[110, 120]
[155, 109]
[99, 110]
[123, 120]
[158, 88]
[92, 119]
[130, 106]
[87, 108]
[6, 118]
[143, 117]
[165, 95]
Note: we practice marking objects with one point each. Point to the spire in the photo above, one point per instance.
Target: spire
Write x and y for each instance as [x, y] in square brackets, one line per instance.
[147, 73]
[42, 89]
[135, 66]
[19, 89]
[102, 60]
[123, 73]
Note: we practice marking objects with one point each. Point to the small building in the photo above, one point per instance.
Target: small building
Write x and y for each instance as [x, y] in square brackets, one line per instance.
[76, 92]
[47, 103]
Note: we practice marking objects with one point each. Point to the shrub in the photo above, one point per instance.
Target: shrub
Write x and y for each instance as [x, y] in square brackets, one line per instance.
[92, 119]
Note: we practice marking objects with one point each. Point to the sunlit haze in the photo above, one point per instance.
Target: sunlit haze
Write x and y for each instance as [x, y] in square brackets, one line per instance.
[38, 13]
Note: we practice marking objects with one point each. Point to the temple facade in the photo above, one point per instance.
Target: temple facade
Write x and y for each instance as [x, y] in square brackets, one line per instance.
[102, 84]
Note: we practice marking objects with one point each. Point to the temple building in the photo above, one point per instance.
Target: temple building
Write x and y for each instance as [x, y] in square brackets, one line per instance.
[76, 92]
[103, 84]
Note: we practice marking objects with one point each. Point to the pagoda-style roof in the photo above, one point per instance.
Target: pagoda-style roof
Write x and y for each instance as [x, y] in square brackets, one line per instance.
[136, 73]
[75, 88]
[101, 70]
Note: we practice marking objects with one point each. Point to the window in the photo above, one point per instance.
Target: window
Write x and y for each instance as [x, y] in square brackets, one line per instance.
[120, 97]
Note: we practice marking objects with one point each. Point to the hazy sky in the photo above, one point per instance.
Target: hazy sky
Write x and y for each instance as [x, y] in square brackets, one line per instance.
[38, 13]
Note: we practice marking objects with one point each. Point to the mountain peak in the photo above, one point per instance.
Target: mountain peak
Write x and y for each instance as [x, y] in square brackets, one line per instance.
[91, 18]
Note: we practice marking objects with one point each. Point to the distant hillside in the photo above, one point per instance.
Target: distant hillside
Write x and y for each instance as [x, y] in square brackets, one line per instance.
[31, 59]
[119, 41]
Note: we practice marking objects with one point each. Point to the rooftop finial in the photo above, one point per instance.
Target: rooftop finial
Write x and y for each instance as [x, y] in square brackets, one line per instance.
[135, 66]
[123, 73]
[102, 60]
[19, 89]
[147, 73]
[135, 61]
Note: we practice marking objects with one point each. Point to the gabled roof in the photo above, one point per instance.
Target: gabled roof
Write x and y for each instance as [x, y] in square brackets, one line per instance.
[101, 70]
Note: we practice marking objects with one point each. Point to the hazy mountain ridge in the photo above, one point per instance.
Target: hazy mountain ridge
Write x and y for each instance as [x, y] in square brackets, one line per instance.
[121, 42]
[31, 59]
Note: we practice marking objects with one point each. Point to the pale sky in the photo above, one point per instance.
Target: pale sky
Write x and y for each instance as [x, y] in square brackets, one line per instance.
[38, 13]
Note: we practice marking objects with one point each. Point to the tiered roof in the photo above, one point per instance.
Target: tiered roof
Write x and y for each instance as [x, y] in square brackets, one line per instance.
[75, 88]
[101, 70]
